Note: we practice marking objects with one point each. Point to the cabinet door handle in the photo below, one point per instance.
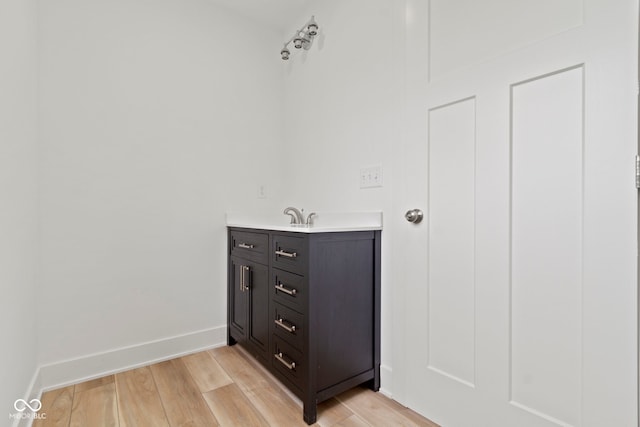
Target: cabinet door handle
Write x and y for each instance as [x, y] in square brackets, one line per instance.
[280, 322]
[243, 278]
[286, 254]
[291, 366]
[245, 246]
[280, 287]
[246, 270]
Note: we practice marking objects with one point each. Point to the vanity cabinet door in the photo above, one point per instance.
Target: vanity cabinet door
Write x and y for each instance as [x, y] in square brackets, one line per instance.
[238, 313]
[249, 304]
[256, 279]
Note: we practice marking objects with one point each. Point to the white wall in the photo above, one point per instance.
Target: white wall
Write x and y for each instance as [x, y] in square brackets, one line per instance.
[18, 200]
[156, 118]
[342, 111]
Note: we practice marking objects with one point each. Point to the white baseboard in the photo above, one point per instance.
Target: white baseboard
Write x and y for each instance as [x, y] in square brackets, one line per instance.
[386, 381]
[73, 371]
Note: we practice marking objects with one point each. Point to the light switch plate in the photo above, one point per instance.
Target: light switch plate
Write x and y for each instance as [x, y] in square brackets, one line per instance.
[371, 177]
[262, 191]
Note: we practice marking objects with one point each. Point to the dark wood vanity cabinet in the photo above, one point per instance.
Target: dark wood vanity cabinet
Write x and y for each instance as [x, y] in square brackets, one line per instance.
[308, 308]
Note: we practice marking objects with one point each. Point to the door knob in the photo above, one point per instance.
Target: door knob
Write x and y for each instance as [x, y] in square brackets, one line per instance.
[414, 215]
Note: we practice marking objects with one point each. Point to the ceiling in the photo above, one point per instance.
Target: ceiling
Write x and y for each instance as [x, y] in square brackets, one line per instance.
[282, 15]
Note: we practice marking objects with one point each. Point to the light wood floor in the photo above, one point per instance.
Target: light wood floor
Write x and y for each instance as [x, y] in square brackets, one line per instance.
[222, 387]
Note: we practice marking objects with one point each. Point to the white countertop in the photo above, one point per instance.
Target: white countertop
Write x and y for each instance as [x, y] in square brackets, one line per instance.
[323, 222]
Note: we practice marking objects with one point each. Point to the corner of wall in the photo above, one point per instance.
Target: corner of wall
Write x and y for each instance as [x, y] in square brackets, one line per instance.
[386, 381]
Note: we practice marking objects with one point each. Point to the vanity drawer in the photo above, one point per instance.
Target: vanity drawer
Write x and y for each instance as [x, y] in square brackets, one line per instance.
[289, 253]
[289, 289]
[288, 361]
[288, 324]
[250, 245]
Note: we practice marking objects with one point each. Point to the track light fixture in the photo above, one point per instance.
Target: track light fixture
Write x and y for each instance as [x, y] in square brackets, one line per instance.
[302, 39]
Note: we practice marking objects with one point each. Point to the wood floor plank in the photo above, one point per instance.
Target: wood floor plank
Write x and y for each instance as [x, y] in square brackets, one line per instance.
[95, 407]
[109, 379]
[138, 399]
[57, 405]
[331, 412]
[231, 407]
[243, 373]
[206, 371]
[181, 397]
[352, 421]
[376, 409]
[276, 407]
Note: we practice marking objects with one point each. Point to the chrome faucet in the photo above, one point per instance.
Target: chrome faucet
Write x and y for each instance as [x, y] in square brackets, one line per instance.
[310, 219]
[295, 214]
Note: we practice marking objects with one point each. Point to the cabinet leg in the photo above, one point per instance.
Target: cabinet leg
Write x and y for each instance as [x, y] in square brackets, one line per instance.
[374, 383]
[230, 340]
[310, 413]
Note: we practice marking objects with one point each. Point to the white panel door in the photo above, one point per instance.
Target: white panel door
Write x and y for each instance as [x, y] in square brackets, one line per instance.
[517, 293]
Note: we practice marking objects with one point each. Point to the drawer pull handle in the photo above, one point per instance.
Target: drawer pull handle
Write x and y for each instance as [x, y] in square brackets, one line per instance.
[245, 246]
[290, 329]
[280, 287]
[286, 254]
[291, 366]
